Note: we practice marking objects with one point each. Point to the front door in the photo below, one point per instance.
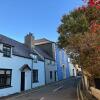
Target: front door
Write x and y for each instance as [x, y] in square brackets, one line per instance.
[64, 71]
[22, 81]
[55, 75]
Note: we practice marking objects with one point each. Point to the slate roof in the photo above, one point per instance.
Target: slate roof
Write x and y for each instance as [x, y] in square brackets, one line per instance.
[42, 41]
[41, 52]
[19, 49]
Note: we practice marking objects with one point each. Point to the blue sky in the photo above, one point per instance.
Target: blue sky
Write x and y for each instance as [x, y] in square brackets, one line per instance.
[41, 17]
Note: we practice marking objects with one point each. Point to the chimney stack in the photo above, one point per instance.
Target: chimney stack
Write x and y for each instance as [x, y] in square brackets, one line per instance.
[29, 40]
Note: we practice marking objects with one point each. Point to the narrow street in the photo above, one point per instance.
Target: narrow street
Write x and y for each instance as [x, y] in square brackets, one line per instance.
[63, 90]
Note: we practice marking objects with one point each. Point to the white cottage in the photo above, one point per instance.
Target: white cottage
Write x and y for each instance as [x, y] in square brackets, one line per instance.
[20, 67]
[47, 49]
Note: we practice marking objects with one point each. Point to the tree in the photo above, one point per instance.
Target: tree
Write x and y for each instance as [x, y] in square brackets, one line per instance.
[80, 36]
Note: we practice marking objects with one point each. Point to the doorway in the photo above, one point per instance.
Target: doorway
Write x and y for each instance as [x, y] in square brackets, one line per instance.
[22, 81]
[55, 75]
[64, 71]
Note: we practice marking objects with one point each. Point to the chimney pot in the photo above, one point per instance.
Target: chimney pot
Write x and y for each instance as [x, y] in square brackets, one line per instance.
[29, 40]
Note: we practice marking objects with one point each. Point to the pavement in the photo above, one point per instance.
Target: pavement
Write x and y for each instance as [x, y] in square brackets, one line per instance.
[62, 90]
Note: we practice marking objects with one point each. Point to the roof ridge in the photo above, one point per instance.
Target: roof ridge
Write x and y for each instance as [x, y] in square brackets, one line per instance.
[42, 39]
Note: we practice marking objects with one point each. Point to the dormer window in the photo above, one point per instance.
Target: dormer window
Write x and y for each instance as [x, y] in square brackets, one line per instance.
[6, 51]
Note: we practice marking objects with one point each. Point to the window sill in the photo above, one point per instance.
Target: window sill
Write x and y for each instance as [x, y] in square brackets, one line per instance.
[36, 82]
[7, 56]
[5, 87]
[35, 62]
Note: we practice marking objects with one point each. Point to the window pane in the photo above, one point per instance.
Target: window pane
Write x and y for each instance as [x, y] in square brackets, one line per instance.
[8, 80]
[35, 75]
[5, 78]
[2, 79]
[6, 51]
[1, 71]
[8, 72]
[50, 74]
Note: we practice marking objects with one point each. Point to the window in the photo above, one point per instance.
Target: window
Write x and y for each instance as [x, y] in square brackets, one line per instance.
[50, 74]
[6, 51]
[53, 62]
[35, 76]
[48, 62]
[5, 78]
[35, 58]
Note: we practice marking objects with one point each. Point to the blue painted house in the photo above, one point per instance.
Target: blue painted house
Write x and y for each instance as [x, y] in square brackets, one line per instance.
[63, 69]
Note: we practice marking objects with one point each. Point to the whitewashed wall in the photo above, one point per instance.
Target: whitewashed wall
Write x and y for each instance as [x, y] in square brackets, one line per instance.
[15, 63]
[48, 68]
[71, 67]
[41, 74]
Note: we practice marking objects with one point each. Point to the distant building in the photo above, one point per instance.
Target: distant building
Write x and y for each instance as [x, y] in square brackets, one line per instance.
[62, 63]
[47, 50]
[72, 68]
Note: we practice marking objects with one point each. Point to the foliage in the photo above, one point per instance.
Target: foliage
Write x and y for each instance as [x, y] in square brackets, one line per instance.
[80, 35]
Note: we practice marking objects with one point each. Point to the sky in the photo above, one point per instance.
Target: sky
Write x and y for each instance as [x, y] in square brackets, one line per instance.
[41, 17]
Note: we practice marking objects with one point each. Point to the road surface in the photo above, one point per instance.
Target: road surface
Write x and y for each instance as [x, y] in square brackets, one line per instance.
[63, 90]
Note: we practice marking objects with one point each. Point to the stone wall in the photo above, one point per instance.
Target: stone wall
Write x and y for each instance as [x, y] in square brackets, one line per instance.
[95, 92]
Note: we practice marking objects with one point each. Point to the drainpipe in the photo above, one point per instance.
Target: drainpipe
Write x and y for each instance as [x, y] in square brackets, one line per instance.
[32, 75]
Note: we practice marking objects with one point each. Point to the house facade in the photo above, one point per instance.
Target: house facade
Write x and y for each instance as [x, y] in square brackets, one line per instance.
[38, 74]
[46, 49]
[20, 68]
[62, 63]
[27, 65]
[58, 55]
[73, 71]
